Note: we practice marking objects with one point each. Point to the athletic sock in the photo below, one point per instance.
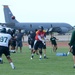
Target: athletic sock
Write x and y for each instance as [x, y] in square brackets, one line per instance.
[12, 51]
[12, 65]
[40, 56]
[44, 54]
[68, 53]
[32, 55]
[74, 64]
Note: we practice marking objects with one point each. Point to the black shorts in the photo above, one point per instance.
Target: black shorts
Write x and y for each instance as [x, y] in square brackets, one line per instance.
[32, 44]
[29, 42]
[73, 50]
[54, 44]
[4, 50]
[19, 43]
[44, 46]
[13, 44]
[38, 44]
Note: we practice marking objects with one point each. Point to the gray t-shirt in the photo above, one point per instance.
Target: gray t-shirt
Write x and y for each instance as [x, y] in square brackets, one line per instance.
[19, 36]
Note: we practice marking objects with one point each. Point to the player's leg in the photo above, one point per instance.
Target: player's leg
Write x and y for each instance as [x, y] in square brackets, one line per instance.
[37, 53]
[40, 52]
[20, 46]
[10, 61]
[32, 53]
[40, 49]
[12, 50]
[17, 46]
[74, 60]
[53, 47]
[34, 48]
[73, 52]
[29, 47]
[20, 49]
[1, 52]
[44, 48]
[7, 54]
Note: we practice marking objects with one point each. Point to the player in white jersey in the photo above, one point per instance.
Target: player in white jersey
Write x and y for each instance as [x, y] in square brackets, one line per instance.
[4, 46]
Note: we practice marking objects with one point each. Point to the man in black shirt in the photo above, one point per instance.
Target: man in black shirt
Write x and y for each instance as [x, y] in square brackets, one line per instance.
[53, 42]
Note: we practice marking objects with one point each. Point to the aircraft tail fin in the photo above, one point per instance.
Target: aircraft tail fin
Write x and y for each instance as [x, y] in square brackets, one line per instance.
[9, 17]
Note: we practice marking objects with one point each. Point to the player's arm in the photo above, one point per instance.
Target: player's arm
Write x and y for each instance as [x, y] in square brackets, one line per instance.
[45, 38]
[55, 38]
[43, 41]
[39, 37]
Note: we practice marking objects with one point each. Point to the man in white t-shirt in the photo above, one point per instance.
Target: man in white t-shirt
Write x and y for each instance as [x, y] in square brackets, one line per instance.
[4, 46]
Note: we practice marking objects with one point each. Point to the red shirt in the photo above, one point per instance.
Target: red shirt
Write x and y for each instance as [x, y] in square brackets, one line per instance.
[40, 33]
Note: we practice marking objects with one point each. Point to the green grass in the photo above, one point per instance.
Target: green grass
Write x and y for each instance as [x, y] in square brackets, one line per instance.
[54, 65]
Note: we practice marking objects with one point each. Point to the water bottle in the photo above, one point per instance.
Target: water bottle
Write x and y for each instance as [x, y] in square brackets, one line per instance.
[61, 54]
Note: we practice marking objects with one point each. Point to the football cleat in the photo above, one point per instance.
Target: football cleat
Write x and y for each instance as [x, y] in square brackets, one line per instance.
[45, 57]
[73, 66]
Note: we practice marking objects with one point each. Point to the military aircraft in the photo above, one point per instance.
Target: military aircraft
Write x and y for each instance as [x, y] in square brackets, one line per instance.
[7, 28]
[13, 23]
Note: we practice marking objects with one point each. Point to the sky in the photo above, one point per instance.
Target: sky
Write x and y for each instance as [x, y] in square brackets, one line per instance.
[40, 10]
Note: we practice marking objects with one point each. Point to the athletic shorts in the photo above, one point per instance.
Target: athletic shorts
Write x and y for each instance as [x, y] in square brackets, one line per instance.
[44, 46]
[54, 44]
[13, 44]
[32, 44]
[38, 44]
[4, 50]
[19, 43]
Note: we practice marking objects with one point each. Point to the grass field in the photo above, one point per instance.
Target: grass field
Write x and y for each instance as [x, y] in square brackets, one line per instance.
[54, 65]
